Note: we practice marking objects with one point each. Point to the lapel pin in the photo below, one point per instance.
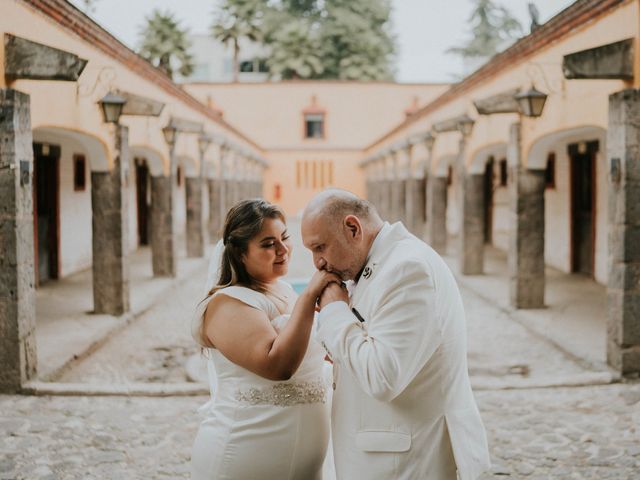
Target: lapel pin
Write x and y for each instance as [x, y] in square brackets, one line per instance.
[367, 272]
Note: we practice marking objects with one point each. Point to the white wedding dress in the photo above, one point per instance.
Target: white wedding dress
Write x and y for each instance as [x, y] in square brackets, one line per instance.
[257, 428]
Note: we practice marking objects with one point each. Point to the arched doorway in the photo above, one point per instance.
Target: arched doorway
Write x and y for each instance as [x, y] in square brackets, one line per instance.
[575, 231]
[63, 161]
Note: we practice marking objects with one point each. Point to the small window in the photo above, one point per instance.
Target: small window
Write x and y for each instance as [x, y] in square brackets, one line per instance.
[504, 173]
[551, 171]
[314, 125]
[449, 176]
[246, 66]
[79, 173]
[262, 66]
[179, 176]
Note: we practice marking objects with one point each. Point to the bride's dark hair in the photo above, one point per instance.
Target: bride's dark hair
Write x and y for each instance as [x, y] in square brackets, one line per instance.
[243, 222]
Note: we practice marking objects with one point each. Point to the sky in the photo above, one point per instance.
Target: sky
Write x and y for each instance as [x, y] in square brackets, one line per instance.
[424, 29]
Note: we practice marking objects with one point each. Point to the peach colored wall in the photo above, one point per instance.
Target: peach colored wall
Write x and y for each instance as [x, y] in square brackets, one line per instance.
[294, 195]
[272, 114]
[356, 112]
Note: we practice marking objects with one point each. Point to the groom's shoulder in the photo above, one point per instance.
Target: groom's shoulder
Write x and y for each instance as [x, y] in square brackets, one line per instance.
[405, 253]
[412, 253]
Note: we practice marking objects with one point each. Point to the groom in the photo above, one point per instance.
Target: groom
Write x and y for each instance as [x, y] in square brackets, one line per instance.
[402, 406]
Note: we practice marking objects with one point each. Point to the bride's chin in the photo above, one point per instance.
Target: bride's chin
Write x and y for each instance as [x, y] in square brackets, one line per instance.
[282, 268]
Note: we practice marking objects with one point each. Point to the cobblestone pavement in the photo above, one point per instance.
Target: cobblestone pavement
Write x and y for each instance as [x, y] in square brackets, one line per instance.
[560, 433]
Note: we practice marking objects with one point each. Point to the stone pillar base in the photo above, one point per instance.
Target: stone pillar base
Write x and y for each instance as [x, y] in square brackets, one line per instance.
[110, 233]
[408, 217]
[472, 231]
[623, 292]
[163, 245]
[526, 248]
[195, 224]
[437, 213]
[18, 359]
[214, 210]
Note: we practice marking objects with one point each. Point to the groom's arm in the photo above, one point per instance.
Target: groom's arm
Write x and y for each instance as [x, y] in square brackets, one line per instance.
[385, 354]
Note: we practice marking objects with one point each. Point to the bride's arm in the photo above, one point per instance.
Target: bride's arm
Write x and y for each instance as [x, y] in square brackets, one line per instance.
[245, 336]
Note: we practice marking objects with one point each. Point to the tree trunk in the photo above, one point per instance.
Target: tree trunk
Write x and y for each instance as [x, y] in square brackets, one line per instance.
[236, 54]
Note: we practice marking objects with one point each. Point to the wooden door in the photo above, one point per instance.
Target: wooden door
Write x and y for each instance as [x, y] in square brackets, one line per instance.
[488, 200]
[46, 211]
[142, 200]
[583, 214]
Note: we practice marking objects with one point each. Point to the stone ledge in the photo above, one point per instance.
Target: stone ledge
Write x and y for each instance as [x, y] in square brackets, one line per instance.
[123, 390]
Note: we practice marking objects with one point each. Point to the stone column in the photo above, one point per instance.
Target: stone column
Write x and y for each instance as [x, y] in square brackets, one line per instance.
[472, 217]
[397, 193]
[215, 223]
[223, 186]
[18, 359]
[195, 224]
[437, 213]
[109, 204]
[526, 240]
[418, 207]
[163, 245]
[623, 292]
[409, 203]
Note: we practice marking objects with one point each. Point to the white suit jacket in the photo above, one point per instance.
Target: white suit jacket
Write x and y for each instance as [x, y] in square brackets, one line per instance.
[402, 406]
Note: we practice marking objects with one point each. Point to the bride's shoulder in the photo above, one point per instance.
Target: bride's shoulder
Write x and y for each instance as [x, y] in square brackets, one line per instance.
[234, 295]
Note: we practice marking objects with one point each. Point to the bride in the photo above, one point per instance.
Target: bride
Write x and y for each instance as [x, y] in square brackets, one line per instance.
[268, 416]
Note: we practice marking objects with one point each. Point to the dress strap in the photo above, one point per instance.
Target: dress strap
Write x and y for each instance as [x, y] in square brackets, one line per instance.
[250, 297]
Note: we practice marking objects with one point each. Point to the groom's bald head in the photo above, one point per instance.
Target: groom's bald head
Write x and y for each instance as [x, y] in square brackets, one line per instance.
[339, 227]
[335, 204]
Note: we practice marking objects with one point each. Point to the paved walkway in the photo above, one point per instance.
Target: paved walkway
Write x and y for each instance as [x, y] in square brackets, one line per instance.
[67, 328]
[575, 317]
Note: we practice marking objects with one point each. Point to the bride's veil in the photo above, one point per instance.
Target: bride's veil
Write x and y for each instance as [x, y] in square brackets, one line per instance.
[213, 275]
[215, 267]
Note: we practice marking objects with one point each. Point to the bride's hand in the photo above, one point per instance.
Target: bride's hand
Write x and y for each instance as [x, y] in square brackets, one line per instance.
[319, 281]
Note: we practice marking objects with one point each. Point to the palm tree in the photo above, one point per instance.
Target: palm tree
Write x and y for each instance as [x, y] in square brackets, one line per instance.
[164, 43]
[296, 51]
[238, 19]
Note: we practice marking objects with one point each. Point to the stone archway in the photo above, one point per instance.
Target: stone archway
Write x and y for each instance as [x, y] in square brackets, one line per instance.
[63, 162]
[574, 163]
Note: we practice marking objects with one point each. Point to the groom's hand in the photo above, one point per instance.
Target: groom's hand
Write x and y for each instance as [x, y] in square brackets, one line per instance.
[334, 292]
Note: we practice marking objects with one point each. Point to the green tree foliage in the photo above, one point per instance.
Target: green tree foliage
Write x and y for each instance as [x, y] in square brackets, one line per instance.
[329, 39]
[358, 44]
[165, 44]
[493, 27]
[296, 51]
[238, 19]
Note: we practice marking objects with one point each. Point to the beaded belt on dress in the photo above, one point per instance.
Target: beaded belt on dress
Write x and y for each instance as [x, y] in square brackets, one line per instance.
[284, 394]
